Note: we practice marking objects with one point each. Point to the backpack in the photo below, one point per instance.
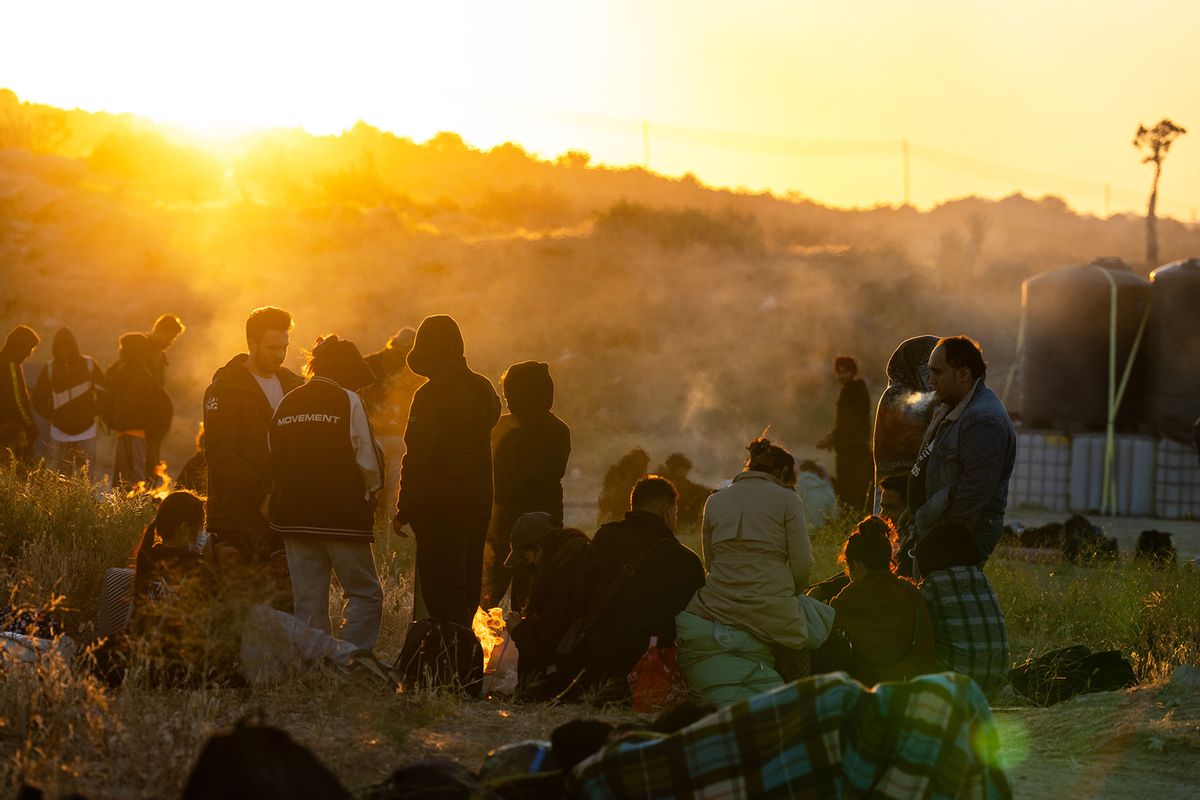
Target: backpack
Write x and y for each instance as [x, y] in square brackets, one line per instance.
[441, 655]
[1062, 674]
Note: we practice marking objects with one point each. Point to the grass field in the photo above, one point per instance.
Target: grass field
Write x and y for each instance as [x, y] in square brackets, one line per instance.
[65, 731]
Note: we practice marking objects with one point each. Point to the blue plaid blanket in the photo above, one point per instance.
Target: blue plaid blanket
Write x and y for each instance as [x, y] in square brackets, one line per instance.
[969, 634]
[822, 737]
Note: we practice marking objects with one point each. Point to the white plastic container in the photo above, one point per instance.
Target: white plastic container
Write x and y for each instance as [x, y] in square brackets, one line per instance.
[1041, 476]
[1176, 481]
[1134, 466]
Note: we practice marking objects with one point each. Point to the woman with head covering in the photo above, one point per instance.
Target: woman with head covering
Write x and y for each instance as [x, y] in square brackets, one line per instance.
[68, 393]
[18, 428]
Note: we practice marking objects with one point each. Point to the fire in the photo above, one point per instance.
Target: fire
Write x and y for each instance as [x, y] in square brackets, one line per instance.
[163, 489]
[489, 629]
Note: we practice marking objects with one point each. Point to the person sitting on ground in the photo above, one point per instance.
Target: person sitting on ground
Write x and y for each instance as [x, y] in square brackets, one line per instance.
[759, 558]
[636, 578]
[194, 475]
[816, 490]
[140, 409]
[618, 481]
[882, 631]
[530, 449]
[327, 470]
[550, 559]
[969, 631]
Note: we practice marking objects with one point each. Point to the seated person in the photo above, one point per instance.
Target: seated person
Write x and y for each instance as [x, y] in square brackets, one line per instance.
[816, 490]
[748, 614]
[548, 558]
[969, 633]
[882, 631]
[636, 578]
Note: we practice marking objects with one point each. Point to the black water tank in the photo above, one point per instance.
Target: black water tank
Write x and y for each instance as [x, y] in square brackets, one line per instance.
[1065, 360]
[1173, 379]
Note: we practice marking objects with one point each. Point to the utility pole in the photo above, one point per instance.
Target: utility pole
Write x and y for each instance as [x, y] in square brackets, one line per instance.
[646, 144]
[1108, 200]
[907, 175]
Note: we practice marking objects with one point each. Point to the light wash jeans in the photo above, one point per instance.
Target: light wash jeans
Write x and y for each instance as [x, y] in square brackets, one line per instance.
[310, 562]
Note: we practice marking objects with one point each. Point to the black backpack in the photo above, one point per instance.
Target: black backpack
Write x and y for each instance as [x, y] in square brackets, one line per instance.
[441, 655]
[1061, 674]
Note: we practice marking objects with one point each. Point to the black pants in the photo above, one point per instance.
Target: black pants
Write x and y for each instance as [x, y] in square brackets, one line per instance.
[450, 562]
[855, 473]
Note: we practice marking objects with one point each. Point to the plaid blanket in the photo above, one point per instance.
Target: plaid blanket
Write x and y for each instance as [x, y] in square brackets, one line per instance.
[969, 633]
[822, 737]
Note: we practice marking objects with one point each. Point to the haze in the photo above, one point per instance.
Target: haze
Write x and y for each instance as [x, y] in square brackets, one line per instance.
[1041, 98]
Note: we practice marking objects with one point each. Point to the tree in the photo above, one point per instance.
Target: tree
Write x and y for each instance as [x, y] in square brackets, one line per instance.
[1155, 142]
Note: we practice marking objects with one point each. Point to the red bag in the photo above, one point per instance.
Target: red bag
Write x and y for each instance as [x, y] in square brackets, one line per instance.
[655, 681]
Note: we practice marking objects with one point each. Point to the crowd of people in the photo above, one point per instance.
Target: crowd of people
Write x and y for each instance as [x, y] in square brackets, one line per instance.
[292, 467]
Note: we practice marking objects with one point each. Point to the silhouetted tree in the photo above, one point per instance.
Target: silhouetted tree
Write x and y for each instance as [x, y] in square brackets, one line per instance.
[1155, 142]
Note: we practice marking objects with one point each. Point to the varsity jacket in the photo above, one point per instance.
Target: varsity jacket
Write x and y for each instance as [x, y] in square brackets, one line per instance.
[325, 464]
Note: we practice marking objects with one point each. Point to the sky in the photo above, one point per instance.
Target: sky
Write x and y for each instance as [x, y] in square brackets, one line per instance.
[1036, 96]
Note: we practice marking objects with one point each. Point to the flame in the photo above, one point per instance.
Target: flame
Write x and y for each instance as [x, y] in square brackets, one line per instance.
[489, 629]
[163, 489]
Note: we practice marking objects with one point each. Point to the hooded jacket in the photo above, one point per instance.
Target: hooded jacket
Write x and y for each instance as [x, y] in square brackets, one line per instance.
[530, 446]
[16, 410]
[237, 417]
[68, 393]
[138, 403]
[447, 462]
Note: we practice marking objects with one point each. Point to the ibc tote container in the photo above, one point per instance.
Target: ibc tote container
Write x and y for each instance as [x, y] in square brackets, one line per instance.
[1176, 481]
[1133, 467]
[1041, 476]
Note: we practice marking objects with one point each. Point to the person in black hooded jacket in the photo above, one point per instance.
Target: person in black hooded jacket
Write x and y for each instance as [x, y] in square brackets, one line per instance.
[18, 428]
[140, 409]
[530, 448]
[446, 476]
[69, 392]
[237, 414]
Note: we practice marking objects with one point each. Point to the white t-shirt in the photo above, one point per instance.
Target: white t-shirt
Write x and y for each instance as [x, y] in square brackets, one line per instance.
[272, 388]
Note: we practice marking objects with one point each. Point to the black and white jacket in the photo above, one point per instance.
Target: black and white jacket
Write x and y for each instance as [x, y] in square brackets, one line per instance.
[326, 464]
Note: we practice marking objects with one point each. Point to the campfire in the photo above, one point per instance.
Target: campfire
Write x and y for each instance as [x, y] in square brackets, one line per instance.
[162, 490]
[489, 629]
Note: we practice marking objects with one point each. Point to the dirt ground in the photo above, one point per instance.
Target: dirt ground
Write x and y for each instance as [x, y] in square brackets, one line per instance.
[1138, 743]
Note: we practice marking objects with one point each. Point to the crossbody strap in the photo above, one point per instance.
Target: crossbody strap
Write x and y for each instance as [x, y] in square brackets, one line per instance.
[627, 572]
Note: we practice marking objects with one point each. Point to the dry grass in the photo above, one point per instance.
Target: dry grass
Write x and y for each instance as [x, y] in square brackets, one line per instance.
[63, 730]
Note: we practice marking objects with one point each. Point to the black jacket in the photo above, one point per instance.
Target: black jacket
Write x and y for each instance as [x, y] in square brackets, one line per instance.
[236, 420]
[16, 411]
[852, 433]
[529, 456]
[79, 390]
[137, 402]
[647, 602]
[549, 611]
[448, 458]
[318, 487]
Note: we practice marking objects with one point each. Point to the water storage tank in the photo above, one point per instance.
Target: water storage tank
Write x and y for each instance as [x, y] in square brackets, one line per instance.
[1173, 357]
[1065, 358]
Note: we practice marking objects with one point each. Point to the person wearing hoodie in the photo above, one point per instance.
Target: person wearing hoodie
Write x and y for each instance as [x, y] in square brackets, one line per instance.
[166, 329]
[18, 428]
[68, 392]
[237, 413]
[327, 470]
[530, 448]
[139, 409]
[446, 477]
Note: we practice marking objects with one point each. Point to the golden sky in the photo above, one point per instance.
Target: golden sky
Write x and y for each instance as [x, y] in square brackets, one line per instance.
[1038, 96]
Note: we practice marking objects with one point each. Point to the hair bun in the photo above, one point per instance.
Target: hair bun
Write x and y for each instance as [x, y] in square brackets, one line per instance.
[759, 446]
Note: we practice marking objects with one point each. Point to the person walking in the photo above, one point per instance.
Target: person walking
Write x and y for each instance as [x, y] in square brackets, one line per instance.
[446, 491]
[69, 392]
[327, 471]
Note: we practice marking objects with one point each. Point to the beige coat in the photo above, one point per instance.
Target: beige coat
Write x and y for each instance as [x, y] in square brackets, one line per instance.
[758, 558]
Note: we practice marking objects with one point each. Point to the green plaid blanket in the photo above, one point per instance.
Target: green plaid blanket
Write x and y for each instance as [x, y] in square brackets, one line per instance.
[822, 737]
[969, 634]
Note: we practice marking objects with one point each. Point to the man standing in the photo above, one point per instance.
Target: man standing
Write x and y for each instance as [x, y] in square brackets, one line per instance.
[18, 428]
[966, 459]
[139, 410]
[237, 413]
[851, 437]
[164, 333]
[446, 478]
[327, 470]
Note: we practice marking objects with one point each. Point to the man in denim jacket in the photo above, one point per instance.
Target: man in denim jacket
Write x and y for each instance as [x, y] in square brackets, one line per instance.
[967, 456]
